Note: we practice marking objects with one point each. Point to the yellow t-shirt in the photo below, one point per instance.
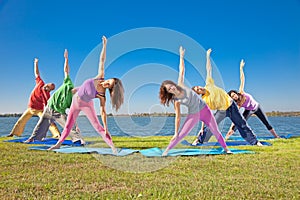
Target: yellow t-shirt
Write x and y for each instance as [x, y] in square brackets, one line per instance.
[216, 98]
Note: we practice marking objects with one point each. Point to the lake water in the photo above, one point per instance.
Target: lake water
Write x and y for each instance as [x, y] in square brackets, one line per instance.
[151, 126]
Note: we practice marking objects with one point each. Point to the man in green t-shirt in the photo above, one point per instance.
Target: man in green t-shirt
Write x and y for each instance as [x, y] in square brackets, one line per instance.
[56, 109]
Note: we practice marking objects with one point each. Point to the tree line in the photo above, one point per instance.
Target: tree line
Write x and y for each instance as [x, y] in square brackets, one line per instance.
[272, 114]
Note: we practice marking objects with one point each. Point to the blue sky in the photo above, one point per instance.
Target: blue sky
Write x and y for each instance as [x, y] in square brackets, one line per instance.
[264, 33]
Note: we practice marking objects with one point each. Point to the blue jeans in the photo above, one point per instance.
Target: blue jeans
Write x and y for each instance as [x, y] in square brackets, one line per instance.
[233, 113]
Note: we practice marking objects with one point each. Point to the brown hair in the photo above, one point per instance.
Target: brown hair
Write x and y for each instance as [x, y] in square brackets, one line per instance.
[117, 94]
[241, 96]
[164, 96]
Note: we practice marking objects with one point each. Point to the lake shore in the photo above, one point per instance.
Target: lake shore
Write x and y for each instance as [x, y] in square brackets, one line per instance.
[273, 114]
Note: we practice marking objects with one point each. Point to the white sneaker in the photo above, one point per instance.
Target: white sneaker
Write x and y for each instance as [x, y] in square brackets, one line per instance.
[259, 144]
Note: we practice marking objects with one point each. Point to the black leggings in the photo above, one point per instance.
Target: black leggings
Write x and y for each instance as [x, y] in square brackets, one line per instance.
[260, 114]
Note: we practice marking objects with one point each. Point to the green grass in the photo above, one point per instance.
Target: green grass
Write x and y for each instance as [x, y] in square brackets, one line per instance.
[271, 173]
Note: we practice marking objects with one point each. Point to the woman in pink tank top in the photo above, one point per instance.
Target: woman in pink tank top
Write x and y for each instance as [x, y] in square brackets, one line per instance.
[251, 106]
[83, 101]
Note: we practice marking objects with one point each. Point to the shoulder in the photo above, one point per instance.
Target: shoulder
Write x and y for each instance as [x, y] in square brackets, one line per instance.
[39, 80]
[209, 80]
[67, 79]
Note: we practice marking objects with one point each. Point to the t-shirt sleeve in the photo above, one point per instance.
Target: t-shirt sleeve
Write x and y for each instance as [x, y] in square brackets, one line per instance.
[67, 81]
[210, 81]
[38, 80]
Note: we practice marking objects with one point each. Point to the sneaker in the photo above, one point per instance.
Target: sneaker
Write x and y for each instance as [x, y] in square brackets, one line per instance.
[56, 136]
[259, 144]
[196, 141]
[228, 152]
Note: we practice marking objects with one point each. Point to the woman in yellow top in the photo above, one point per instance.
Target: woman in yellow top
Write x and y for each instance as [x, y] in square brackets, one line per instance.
[217, 99]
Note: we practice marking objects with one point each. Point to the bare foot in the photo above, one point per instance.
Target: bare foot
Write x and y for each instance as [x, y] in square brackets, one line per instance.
[165, 153]
[114, 150]
[28, 140]
[56, 146]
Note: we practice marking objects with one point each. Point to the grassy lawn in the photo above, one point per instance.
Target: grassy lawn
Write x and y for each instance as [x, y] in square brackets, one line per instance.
[271, 173]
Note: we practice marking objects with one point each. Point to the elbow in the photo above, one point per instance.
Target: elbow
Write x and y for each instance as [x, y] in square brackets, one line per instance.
[102, 59]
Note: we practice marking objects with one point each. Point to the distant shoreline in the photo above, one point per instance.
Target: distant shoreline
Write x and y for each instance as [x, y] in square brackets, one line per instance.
[272, 114]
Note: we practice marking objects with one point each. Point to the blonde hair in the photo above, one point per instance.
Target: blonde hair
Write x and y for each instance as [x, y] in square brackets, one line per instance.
[117, 94]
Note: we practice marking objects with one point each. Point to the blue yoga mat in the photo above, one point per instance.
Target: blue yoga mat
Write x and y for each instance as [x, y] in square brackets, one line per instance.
[157, 152]
[288, 136]
[102, 151]
[46, 141]
[228, 143]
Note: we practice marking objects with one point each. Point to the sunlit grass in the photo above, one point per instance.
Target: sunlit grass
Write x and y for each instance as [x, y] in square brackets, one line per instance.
[271, 173]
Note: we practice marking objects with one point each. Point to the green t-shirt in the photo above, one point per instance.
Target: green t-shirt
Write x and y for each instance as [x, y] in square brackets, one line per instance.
[62, 97]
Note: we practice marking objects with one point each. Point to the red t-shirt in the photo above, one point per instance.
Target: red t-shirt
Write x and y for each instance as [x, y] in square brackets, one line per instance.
[39, 97]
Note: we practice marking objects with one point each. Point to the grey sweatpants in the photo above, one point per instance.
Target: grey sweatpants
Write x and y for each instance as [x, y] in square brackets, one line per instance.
[48, 117]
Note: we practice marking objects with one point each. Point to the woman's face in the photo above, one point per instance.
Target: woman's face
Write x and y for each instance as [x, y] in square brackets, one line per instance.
[234, 96]
[199, 90]
[171, 88]
[108, 83]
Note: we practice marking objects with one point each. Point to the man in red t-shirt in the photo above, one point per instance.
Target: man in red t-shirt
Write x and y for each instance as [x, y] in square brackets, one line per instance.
[37, 101]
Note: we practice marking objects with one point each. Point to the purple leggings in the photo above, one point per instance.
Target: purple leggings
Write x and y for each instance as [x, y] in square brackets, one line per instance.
[207, 117]
[88, 108]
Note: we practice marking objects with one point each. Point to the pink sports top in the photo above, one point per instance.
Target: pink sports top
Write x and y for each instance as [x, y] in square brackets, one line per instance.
[87, 90]
[250, 103]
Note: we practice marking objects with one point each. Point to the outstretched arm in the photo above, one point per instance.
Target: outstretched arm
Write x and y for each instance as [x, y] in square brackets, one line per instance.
[177, 118]
[66, 65]
[103, 114]
[36, 68]
[196, 141]
[201, 130]
[181, 67]
[102, 58]
[242, 76]
[230, 131]
[208, 64]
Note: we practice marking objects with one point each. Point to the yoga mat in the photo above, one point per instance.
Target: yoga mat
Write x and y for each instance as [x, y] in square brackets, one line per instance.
[157, 152]
[102, 151]
[228, 143]
[46, 141]
[288, 136]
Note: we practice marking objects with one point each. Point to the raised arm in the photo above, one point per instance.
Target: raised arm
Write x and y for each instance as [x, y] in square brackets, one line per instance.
[181, 67]
[102, 58]
[208, 64]
[36, 68]
[242, 77]
[66, 65]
